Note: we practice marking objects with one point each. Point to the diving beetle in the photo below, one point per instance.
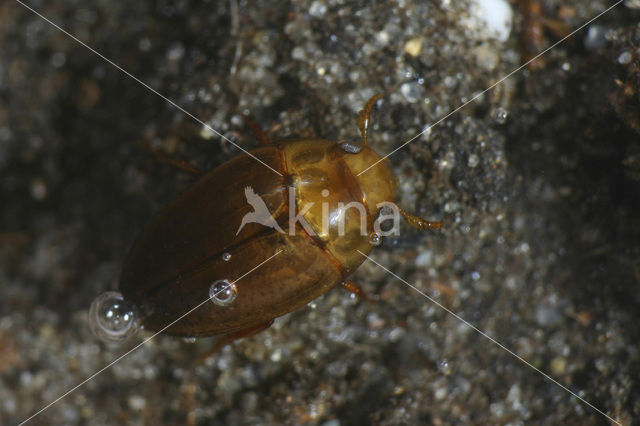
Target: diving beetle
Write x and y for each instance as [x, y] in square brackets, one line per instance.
[202, 241]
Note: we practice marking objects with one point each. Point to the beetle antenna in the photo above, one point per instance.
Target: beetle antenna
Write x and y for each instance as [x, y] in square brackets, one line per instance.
[364, 117]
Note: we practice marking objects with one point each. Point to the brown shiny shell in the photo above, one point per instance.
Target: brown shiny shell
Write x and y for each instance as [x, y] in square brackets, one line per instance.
[171, 267]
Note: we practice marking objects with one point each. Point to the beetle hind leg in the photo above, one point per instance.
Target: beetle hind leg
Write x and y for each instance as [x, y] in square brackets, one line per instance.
[418, 222]
[176, 163]
[257, 130]
[227, 339]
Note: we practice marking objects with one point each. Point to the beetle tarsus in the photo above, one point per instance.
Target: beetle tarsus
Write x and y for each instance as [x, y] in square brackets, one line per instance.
[418, 222]
[257, 130]
[227, 339]
[355, 288]
[176, 163]
[364, 117]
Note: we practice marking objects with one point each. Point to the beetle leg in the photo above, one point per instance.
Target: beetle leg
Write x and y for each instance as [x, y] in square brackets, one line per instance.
[355, 288]
[533, 33]
[177, 163]
[227, 339]
[534, 23]
[363, 117]
[255, 128]
[418, 222]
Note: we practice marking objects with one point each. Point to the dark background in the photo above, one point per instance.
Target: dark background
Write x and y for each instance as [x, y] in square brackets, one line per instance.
[540, 247]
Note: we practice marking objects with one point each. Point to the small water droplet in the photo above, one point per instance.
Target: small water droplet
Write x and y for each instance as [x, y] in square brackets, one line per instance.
[223, 292]
[445, 367]
[325, 192]
[500, 116]
[375, 239]
[226, 257]
[113, 319]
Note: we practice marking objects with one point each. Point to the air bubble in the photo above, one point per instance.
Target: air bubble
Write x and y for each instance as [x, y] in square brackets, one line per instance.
[226, 257]
[445, 367]
[223, 293]
[500, 115]
[113, 319]
[375, 239]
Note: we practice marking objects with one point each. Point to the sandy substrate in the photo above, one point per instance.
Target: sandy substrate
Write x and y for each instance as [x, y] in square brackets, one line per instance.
[537, 180]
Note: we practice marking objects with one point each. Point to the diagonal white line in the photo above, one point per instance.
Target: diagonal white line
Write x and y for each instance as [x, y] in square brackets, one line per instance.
[494, 341]
[211, 129]
[492, 86]
[142, 343]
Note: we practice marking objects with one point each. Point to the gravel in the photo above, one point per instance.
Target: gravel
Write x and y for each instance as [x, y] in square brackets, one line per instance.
[537, 180]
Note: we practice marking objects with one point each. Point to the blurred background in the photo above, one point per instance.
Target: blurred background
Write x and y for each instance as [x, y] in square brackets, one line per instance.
[537, 180]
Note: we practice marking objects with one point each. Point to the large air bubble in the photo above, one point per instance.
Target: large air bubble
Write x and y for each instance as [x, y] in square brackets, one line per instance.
[112, 318]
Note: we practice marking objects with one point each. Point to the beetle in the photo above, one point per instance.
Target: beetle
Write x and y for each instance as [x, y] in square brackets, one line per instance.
[202, 241]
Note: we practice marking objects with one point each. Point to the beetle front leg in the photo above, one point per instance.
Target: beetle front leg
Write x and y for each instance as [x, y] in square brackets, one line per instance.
[356, 289]
[418, 222]
[363, 117]
[227, 339]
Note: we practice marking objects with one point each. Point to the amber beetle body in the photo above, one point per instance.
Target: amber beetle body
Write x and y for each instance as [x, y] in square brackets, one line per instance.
[203, 236]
